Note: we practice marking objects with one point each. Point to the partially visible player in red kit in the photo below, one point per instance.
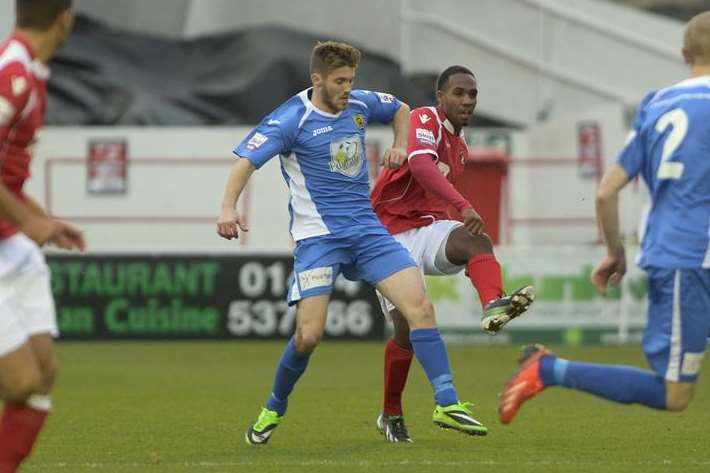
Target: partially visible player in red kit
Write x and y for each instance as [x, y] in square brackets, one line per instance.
[412, 203]
[27, 318]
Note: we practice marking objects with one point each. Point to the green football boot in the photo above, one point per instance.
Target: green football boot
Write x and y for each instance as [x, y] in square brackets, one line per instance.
[260, 431]
[459, 417]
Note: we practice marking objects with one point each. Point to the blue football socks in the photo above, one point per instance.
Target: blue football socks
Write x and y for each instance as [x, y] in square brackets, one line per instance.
[291, 366]
[624, 384]
[430, 350]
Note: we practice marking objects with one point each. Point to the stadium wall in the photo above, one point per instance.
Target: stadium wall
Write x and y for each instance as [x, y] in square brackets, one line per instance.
[163, 216]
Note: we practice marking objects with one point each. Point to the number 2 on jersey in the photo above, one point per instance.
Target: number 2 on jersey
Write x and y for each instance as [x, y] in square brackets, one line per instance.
[679, 120]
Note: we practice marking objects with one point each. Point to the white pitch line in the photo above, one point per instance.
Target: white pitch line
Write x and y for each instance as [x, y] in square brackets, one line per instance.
[100, 465]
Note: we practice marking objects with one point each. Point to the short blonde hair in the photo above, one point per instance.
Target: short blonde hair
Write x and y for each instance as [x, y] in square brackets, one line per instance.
[696, 41]
[331, 55]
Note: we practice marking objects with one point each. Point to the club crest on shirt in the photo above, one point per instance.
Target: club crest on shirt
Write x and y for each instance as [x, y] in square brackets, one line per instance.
[359, 120]
[346, 156]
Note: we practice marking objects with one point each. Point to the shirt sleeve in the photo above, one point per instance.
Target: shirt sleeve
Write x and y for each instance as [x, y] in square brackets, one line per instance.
[632, 154]
[15, 91]
[381, 107]
[270, 138]
[430, 178]
[423, 133]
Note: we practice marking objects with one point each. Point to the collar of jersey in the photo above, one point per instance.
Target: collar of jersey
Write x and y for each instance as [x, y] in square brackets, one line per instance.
[309, 105]
[445, 121]
[693, 81]
[39, 69]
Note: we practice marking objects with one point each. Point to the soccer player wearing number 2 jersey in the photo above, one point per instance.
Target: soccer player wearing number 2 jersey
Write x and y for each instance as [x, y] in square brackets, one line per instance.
[319, 138]
[669, 147]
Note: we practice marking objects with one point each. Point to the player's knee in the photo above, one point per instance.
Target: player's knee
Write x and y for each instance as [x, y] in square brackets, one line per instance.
[306, 342]
[421, 314]
[23, 386]
[481, 244]
[679, 395]
[679, 401]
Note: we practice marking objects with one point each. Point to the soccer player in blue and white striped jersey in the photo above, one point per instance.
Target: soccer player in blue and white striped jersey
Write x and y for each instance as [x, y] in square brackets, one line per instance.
[319, 136]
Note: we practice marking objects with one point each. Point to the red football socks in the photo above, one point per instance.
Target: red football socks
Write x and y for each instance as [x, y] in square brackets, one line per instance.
[397, 363]
[19, 427]
[485, 275]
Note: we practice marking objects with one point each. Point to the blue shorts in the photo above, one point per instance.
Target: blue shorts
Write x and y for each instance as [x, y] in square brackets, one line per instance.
[368, 254]
[678, 323]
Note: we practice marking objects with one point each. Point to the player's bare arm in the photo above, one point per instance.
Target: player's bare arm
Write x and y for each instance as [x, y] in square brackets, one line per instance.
[38, 229]
[397, 154]
[230, 222]
[613, 267]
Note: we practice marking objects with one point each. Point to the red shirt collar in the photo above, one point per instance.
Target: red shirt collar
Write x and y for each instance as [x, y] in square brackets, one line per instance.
[22, 40]
[445, 121]
[39, 69]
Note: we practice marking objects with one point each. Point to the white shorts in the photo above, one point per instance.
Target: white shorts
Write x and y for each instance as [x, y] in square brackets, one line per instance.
[427, 245]
[26, 302]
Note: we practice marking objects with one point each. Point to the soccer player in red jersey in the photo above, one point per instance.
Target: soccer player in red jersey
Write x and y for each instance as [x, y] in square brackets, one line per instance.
[412, 203]
[27, 318]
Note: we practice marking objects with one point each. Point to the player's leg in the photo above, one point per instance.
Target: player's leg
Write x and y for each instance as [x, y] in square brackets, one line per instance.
[27, 362]
[311, 315]
[398, 359]
[22, 417]
[674, 342]
[317, 264]
[405, 289]
[385, 263]
[475, 253]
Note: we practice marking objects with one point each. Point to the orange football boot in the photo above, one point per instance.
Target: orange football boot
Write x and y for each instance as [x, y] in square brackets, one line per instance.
[525, 383]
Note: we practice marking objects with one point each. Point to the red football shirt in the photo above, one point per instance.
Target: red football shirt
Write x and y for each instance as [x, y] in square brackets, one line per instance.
[23, 95]
[399, 200]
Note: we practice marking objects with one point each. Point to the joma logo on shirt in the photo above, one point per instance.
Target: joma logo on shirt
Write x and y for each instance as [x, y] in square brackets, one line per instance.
[320, 131]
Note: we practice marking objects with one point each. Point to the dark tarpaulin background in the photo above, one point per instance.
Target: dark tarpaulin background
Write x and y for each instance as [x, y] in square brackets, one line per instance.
[105, 76]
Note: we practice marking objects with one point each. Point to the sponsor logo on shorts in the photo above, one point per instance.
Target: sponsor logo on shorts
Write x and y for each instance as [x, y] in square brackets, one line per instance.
[691, 364]
[256, 141]
[316, 277]
[425, 136]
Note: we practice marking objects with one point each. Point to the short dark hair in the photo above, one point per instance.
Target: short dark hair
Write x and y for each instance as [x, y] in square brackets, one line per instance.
[450, 71]
[696, 40]
[39, 14]
[331, 55]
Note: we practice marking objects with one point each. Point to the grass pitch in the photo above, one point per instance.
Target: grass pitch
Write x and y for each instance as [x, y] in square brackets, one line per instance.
[184, 406]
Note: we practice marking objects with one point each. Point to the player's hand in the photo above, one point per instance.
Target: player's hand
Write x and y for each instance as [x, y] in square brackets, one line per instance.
[609, 271]
[394, 158]
[67, 237]
[229, 224]
[472, 221]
